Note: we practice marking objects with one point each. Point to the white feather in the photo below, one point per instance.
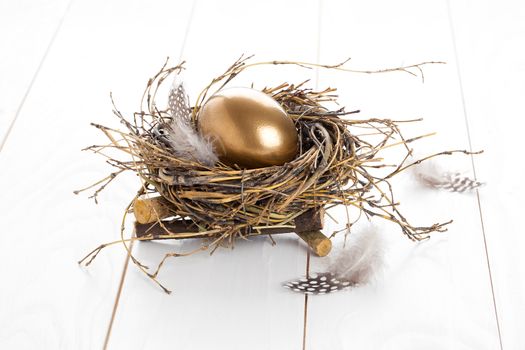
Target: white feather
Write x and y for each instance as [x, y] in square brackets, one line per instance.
[361, 259]
[427, 173]
[185, 141]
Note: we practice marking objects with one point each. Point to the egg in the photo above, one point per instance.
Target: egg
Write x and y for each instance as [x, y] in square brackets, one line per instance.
[248, 128]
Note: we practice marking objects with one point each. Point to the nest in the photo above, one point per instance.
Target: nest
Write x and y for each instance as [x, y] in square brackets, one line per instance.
[336, 164]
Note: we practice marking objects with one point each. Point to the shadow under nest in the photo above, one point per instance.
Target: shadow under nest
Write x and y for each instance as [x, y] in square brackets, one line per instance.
[334, 165]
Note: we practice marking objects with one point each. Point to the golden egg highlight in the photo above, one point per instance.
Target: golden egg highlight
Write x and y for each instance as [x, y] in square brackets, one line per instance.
[248, 128]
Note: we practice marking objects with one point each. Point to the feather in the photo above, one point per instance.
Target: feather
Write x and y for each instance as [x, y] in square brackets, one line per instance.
[359, 262]
[184, 139]
[429, 174]
[354, 265]
[317, 283]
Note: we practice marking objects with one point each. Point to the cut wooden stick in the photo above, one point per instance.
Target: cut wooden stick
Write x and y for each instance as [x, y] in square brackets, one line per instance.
[308, 226]
[181, 229]
[320, 244]
[150, 211]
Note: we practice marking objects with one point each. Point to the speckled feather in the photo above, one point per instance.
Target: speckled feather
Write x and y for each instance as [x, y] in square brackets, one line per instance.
[318, 283]
[453, 182]
[429, 174]
[178, 102]
[185, 141]
[354, 265]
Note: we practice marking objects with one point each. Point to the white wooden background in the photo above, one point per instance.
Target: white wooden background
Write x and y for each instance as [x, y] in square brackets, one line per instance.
[58, 61]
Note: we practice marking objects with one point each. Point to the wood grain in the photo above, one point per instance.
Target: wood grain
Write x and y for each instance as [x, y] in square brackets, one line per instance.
[234, 295]
[445, 293]
[488, 39]
[28, 30]
[435, 294]
[47, 300]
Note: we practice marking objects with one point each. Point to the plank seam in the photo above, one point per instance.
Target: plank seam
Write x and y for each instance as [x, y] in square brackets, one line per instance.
[35, 75]
[117, 297]
[126, 263]
[465, 116]
[317, 59]
[305, 314]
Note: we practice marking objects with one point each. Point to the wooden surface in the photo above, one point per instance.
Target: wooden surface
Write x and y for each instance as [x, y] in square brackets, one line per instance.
[28, 29]
[463, 289]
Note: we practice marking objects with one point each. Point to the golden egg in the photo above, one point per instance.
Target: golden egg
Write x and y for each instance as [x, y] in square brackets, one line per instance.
[248, 128]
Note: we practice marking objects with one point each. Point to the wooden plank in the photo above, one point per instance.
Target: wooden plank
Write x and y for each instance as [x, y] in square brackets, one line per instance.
[435, 294]
[232, 299]
[489, 38]
[28, 29]
[47, 301]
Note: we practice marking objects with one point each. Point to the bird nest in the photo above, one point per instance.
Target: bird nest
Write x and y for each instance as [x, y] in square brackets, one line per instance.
[337, 164]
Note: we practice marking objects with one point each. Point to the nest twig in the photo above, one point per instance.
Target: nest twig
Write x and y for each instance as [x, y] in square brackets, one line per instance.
[333, 167]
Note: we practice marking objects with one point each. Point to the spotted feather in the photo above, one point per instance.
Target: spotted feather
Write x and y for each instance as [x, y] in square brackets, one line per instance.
[318, 283]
